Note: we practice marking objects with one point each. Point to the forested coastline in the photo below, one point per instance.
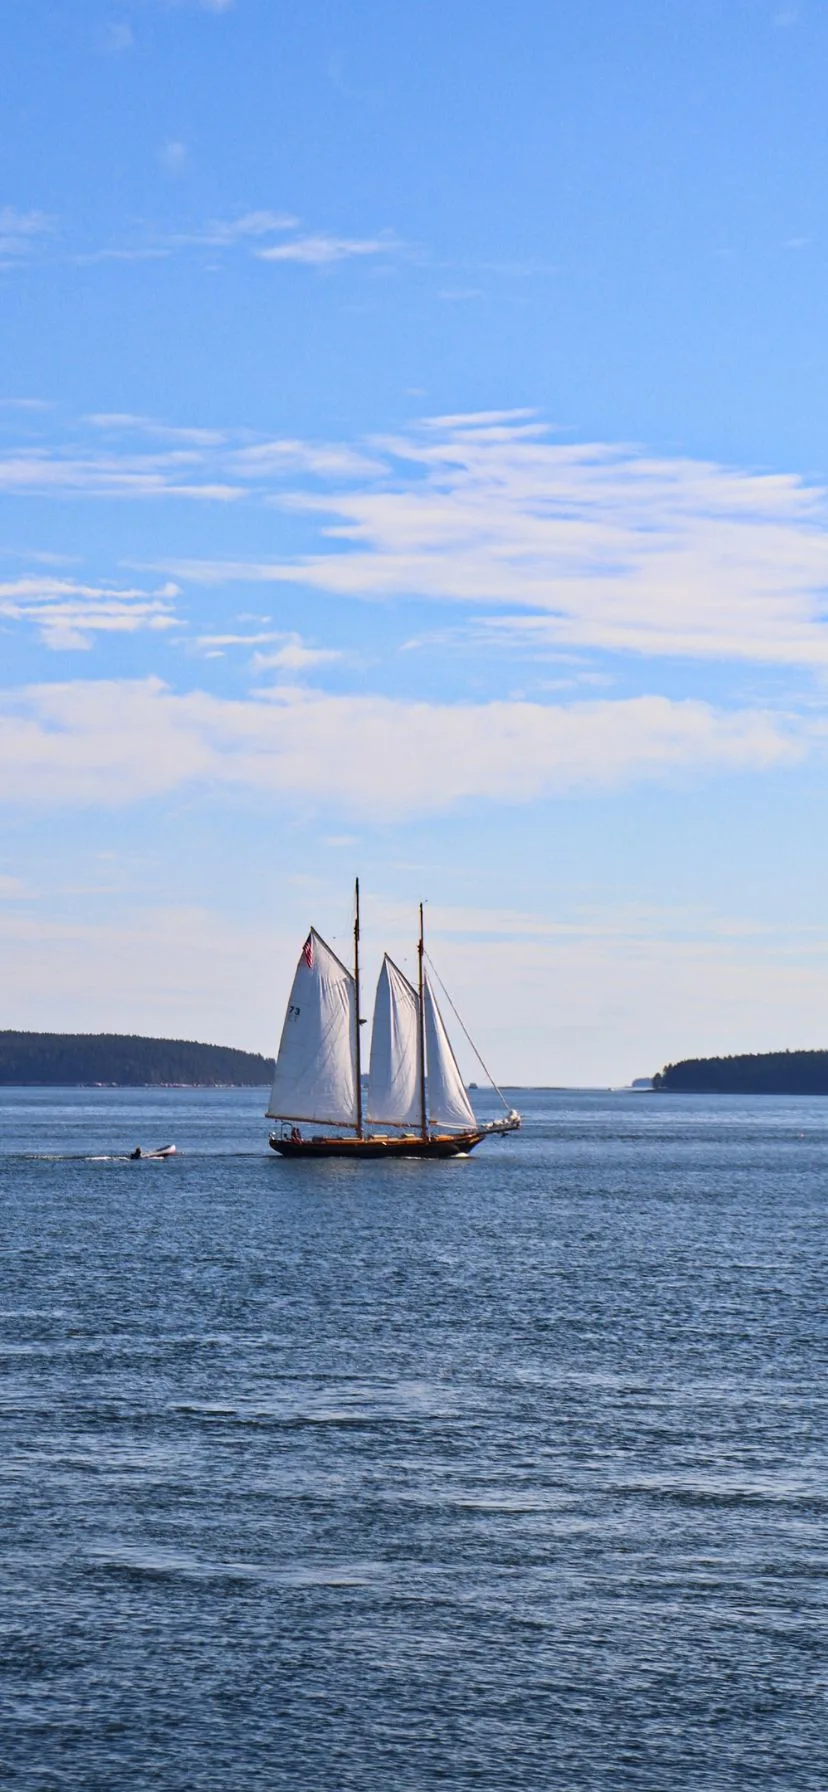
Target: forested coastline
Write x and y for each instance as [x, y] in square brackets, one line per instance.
[123, 1060]
[748, 1073]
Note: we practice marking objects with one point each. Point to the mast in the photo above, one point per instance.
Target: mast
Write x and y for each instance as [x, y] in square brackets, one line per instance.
[358, 1023]
[421, 1017]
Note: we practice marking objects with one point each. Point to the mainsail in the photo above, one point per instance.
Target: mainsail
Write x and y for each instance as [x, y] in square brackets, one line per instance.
[448, 1103]
[416, 1104]
[394, 1077]
[316, 1070]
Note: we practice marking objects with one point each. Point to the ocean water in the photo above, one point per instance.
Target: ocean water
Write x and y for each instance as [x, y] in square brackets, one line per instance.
[510, 1472]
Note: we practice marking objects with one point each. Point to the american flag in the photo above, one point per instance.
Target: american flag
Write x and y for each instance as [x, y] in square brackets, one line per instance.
[307, 951]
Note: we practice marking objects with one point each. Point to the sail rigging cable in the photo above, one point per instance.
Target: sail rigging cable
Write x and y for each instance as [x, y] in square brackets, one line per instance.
[448, 1102]
[461, 1023]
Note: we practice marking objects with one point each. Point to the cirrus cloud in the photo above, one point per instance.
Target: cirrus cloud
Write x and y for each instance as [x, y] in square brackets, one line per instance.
[551, 546]
[67, 614]
[321, 250]
[588, 546]
[20, 232]
[113, 742]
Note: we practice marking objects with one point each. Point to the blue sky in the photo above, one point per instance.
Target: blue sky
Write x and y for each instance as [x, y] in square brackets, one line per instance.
[413, 461]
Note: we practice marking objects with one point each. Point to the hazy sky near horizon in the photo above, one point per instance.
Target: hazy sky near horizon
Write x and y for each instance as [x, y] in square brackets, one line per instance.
[413, 461]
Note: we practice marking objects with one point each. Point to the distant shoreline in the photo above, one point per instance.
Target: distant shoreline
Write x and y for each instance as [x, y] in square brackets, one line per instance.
[6, 1084]
[125, 1061]
[747, 1073]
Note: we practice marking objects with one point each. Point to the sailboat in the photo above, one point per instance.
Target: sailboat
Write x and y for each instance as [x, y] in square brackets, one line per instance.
[416, 1103]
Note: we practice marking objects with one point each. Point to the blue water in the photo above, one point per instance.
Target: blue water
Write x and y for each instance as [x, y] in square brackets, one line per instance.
[509, 1472]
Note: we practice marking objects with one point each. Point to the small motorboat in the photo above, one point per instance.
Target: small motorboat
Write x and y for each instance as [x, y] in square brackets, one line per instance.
[161, 1151]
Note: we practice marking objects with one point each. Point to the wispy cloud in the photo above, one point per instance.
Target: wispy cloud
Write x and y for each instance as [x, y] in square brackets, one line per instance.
[549, 546]
[20, 233]
[174, 155]
[174, 460]
[216, 6]
[294, 655]
[68, 614]
[286, 650]
[114, 742]
[233, 639]
[64, 473]
[127, 422]
[147, 253]
[117, 38]
[223, 233]
[263, 233]
[322, 250]
[589, 546]
[286, 456]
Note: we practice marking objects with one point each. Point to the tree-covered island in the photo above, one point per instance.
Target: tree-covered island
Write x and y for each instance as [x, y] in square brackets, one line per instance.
[748, 1073]
[123, 1060]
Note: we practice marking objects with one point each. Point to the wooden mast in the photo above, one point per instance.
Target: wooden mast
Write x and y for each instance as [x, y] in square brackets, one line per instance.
[421, 1031]
[357, 1048]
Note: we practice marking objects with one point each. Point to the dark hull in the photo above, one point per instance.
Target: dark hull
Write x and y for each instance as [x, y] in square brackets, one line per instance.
[440, 1145]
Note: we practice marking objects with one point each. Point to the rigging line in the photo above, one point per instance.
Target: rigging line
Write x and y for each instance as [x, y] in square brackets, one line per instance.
[462, 1024]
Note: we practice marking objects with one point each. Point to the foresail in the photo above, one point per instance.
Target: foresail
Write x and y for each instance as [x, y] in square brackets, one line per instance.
[394, 1077]
[448, 1103]
[315, 1070]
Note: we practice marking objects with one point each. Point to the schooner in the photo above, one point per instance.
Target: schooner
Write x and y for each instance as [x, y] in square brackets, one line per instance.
[416, 1104]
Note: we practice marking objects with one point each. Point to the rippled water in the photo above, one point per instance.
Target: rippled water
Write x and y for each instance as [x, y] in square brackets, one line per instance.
[506, 1472]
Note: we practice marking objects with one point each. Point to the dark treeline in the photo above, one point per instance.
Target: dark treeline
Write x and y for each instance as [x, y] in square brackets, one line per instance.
[751, 1073]
[124, 1060]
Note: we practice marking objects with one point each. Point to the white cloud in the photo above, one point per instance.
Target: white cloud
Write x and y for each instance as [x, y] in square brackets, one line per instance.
[119, 741]
[173, 155]
[68, 614]
[181, 461]
[67, 473]
[234, 640]
[251, 230]
[288, 652]
[282, 457]
[19, 233]
[295, 656]
[124, 422]
[589, 546]
[552, 547]
[136, 254]
[249, 227]
[117, 38]
[322, 250]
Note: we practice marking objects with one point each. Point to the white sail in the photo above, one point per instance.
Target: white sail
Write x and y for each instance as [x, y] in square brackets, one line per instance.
[316, 1068]
[394, 1078]
[448, 1103]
